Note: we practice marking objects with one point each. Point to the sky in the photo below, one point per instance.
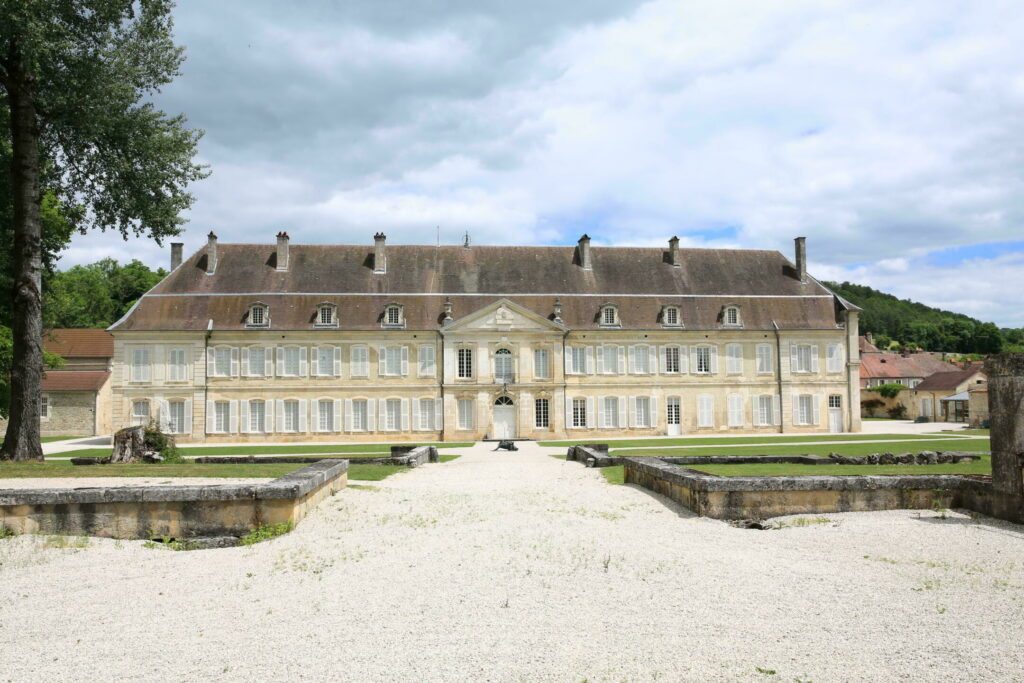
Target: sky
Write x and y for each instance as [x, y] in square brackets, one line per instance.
[891, 135]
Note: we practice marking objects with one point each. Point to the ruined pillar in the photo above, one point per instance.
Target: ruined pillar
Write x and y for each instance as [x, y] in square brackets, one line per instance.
[1006, 416]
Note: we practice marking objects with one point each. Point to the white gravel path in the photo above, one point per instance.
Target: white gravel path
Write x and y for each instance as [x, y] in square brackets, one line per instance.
[520, 567]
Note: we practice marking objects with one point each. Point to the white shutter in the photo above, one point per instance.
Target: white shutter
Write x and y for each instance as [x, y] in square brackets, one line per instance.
[569, 369]
[623, 400]
[280, 361]
[381, 357]
[244, 423]
[234, 361]
[483, 370]
[525, 405]
[347, 426]
[302, 415]
[280, 414]
[233, 417]
[303, 361]
[438, 414]
[590, 412]
[314, 415]
[621, 363]
[693, 359]
[814, 358]
[631, 360]
[755, 411]
[405, 414]
[382, 417]
[589, 355]
[337, 361]
[268, 416]
[405, 361]
[336, 417]
[795, 398]
[600, 413]
[632, 410]
[816, 408]
[371, 417]
[415, 415]
[245, 361]
[663, 351]
[314, 361]
[268, 361]
[792, 357]
[211, 363]
[777, 410]
[526, 368]
[654, 411]
[652, 359]
[165, 413]
[210, 418]
[714, 359]
[188, 416]
[600, 360]
[735, 410]
[568, 411]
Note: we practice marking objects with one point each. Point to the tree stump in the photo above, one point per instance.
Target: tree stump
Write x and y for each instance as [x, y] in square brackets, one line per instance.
[129, 445]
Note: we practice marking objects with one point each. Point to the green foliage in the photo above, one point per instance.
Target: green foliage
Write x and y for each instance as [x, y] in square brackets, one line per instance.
[6, 533]
[96, 295]
[266, 532]
[156, 440]
[898, 412]
[916, 325]
[891, 390]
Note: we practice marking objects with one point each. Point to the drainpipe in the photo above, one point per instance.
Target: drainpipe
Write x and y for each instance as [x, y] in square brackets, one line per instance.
[441, 383]
[567, 418]
[206, 379]
[778, 373]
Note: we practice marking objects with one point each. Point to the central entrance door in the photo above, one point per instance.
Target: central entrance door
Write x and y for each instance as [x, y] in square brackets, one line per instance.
[672, 416]
[835, 414]
[504, 418]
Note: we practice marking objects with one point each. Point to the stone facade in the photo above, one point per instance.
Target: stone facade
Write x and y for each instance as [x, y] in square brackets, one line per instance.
[482, 364]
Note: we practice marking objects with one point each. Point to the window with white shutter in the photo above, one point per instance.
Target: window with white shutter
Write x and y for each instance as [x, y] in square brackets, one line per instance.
[702, 360]
[427, 361]
[140, 367]
[643, 411]
[735, 404]
[465, 410]
[765, 366]
[257, 416]
[734, 359]
[579, 412]
[360, 365]
[834, 362]
[177, 367]
[541, 364]
[705, 410]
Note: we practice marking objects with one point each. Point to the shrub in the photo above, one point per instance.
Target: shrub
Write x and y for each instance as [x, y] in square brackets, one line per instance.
[872, 405]
[265, 533]
[898, 412]
[891, 390]
[155, 440]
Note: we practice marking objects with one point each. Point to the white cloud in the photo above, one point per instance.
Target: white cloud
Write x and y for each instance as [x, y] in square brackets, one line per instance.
[882, 132]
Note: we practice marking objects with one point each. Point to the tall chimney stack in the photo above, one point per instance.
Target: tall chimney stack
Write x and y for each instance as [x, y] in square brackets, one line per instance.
[380, 257]
[801, 259]
[282, 250]
[584, 252]
[176, 248]
[673, 252]
[211, 253]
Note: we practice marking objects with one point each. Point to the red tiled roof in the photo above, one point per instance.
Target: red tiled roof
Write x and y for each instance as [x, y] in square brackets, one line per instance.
[79, 343]
[74, 380]
[946, 381]
[865, 345]
[884, 365]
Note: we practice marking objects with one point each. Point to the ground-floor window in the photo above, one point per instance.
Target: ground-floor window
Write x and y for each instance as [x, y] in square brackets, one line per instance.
[643, 411]
[359, 415]
[221, 416]
[257, 416]
[540, 412]
[466, 413]
[835, 401]
[803, 410]
[426, 416]
[176, 417]
[610, 411]
[579, 412]
[705, 410]
[325, 416]
[393, 414]
[672, 413]
[140, 412]
[291, 416]
[765, 411]
[44, 406]
[735, 404]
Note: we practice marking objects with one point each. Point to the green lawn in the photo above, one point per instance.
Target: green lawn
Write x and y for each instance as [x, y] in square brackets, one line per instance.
[898, 446]
[616, 444]
[370, 450]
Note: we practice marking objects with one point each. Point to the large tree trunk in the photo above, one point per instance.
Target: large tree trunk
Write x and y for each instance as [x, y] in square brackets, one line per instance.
[22, 440]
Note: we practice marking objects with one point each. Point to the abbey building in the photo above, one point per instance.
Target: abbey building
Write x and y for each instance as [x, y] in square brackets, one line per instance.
[283, 342]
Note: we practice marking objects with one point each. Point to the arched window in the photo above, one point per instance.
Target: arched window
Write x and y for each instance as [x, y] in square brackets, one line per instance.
[259, 315]
[327, 315]
[731, 316]
[503, 401]
[609, 315]
[503, 366]
[393, 316]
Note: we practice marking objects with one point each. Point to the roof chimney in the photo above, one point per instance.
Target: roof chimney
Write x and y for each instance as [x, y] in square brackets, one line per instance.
[673, 252]
[583, 249]
[801, 259]
[211, 253]
[380, 257]
[282, 250]
[176, 248]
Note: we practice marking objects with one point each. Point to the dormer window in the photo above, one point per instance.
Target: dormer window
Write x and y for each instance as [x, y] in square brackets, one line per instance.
[731, 316]
[670, 316]
[327, 315]
[393, 316]
[259, 316]
[609, 316]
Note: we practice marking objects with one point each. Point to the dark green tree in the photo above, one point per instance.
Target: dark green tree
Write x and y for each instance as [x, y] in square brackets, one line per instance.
[76, 77]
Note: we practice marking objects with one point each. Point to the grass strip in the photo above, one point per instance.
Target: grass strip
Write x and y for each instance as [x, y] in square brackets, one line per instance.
[852, 449]
[742, 440]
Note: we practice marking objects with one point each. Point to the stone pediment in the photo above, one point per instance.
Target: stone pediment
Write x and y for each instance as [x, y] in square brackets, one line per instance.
[504, 316]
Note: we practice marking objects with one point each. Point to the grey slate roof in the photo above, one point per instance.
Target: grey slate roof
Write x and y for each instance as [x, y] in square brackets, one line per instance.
[639, 280]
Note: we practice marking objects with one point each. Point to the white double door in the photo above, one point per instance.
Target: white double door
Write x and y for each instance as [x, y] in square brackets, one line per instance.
[673, 416]
[505, 422]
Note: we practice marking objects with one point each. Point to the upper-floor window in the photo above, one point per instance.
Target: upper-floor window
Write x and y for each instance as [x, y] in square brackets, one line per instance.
[360, 363]
[176, 367]
[541, 364]
[259, 316]
[222, 361]
[503, 371]
[670, 316]
[764, 359]
[670, 360]
[257, 365]
[140, 365]
[610, 361]
[393, 361]
[803, 358]
[326, 316]
[577, 360]
[290, 360]
[427, 360]
[834, 358]
[464, 363]
[393, 315]
[641, 359]
[731, 316]
[609, 316]
[705, 360]
[734, 359]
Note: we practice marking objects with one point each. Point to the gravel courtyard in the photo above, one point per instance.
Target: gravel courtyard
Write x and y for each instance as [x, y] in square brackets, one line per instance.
[520, 567]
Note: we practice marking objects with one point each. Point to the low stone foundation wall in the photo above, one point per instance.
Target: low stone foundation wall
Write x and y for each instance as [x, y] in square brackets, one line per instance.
[178, 512]
[763, 497]
[592, 455]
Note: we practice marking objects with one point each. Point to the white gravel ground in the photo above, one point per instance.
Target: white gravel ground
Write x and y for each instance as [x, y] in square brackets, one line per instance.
[519, 567]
